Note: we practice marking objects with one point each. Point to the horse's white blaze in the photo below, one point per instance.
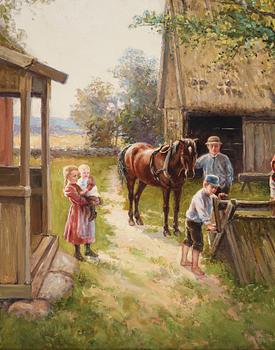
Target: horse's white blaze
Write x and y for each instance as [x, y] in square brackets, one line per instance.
[190, 149]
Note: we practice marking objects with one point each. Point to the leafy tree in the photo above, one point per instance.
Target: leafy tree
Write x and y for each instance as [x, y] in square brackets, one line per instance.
[9, 35]
[97, 111]
[233, 26]
[140, 118]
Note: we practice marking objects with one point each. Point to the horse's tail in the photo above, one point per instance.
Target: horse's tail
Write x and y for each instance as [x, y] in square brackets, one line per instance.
[121, 166]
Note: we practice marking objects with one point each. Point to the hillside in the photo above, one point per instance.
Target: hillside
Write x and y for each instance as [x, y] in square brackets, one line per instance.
[58, 126]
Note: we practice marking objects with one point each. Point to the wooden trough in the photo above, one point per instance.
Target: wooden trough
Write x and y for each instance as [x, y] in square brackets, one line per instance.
[245, 241]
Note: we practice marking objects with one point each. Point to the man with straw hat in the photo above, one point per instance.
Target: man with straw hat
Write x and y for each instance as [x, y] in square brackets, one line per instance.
[216, 163]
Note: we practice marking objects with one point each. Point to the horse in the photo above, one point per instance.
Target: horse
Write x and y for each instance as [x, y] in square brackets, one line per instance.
[166, 167]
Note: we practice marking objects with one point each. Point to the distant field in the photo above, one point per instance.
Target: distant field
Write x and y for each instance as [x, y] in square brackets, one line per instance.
[56, 141]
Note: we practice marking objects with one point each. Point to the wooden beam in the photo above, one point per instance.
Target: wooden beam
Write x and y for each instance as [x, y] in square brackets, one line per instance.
[253, 177]
[238, 263]
[16, 291]
[15, 57]
[44, 268]
[48, 72]
[23, 247]
[18, 191]
[248, 205]
[25, 99]
[163, 72]
[178, 67]
[216, 211]
[45, 156]
[41, 251]
[31, 64]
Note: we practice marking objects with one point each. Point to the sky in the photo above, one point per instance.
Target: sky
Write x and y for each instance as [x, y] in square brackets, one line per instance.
[85, 39]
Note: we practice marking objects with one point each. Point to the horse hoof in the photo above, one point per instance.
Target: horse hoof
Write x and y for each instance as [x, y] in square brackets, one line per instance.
[131, 222]
[177, 233]
[139, 222]
[166, 233]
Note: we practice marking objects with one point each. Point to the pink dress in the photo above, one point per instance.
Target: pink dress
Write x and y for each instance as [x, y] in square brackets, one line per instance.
[78, 228]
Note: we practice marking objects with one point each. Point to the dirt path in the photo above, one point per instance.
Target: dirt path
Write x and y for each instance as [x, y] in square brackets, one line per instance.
[149, 258]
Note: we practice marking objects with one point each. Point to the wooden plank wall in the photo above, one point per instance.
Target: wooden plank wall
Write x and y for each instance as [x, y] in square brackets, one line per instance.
[11, 231]
[173, 124]
[259, 144]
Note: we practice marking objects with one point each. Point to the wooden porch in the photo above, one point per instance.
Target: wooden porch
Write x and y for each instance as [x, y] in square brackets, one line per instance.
[27, 246]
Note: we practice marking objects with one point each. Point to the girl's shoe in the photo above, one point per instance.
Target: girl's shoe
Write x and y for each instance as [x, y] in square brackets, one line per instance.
[91, 253]
[186, 263]
[79, 257]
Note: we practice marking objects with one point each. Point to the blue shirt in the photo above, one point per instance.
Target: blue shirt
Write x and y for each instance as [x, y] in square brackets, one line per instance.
[218, 165]
[201, 207]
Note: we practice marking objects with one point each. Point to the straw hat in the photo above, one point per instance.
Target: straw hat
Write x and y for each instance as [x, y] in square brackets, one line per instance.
[213, 139]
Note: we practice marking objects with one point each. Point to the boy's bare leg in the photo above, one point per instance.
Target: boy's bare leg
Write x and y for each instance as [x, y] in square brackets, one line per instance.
[184, 261]
[195, 263]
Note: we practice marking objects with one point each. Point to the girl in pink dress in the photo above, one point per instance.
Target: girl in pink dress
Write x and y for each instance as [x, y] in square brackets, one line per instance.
[78, 228]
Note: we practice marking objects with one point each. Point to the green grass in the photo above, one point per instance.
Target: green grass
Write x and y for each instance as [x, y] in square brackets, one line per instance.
[103, 313]
[151, 202]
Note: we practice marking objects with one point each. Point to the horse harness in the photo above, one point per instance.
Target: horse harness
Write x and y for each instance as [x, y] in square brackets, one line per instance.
[156, 172]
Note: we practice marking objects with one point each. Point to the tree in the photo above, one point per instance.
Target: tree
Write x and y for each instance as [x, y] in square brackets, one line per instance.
[8, 32]
[233, 26]
[97, 111]
[140, 118]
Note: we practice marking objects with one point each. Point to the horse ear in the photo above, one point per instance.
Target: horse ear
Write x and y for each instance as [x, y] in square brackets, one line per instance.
[175, 146]
[164, 149]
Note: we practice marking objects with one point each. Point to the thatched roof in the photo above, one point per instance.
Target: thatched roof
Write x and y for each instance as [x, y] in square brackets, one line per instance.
[187, 82]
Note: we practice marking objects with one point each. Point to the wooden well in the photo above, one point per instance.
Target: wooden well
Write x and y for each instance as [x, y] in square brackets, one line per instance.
[245, 240]
[27, 246]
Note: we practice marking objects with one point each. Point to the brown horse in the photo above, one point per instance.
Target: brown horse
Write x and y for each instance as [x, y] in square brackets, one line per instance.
[165, 167]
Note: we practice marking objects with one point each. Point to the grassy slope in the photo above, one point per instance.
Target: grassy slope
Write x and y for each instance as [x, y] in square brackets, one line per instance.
[97, 315]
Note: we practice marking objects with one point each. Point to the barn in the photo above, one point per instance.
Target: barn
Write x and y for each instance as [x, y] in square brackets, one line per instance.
[27, 244]
[199, 99]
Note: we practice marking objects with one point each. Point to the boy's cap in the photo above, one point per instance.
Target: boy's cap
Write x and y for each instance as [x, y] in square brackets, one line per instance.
[213, 139]
[212, 180]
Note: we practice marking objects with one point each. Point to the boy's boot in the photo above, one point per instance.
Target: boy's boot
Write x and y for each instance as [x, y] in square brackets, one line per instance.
[89, 252]
[77, 253]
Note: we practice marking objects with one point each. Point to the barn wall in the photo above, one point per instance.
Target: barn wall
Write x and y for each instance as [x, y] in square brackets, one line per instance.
[259, 144]
[173, 124]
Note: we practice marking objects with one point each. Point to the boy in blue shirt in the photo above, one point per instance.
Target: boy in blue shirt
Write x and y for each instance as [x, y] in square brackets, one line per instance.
[199, 213]
[216, 163]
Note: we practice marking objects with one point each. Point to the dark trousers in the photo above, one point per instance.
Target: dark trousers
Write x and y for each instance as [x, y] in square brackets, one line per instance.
[193, 235]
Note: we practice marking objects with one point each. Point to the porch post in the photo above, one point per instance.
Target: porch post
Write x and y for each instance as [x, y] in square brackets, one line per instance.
[45, 155]
[24, 241]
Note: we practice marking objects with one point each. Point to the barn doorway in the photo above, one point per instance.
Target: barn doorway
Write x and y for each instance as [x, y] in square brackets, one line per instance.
[228, 128]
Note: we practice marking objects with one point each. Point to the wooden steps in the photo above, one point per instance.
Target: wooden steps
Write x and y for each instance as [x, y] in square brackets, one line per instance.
[41, 261]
